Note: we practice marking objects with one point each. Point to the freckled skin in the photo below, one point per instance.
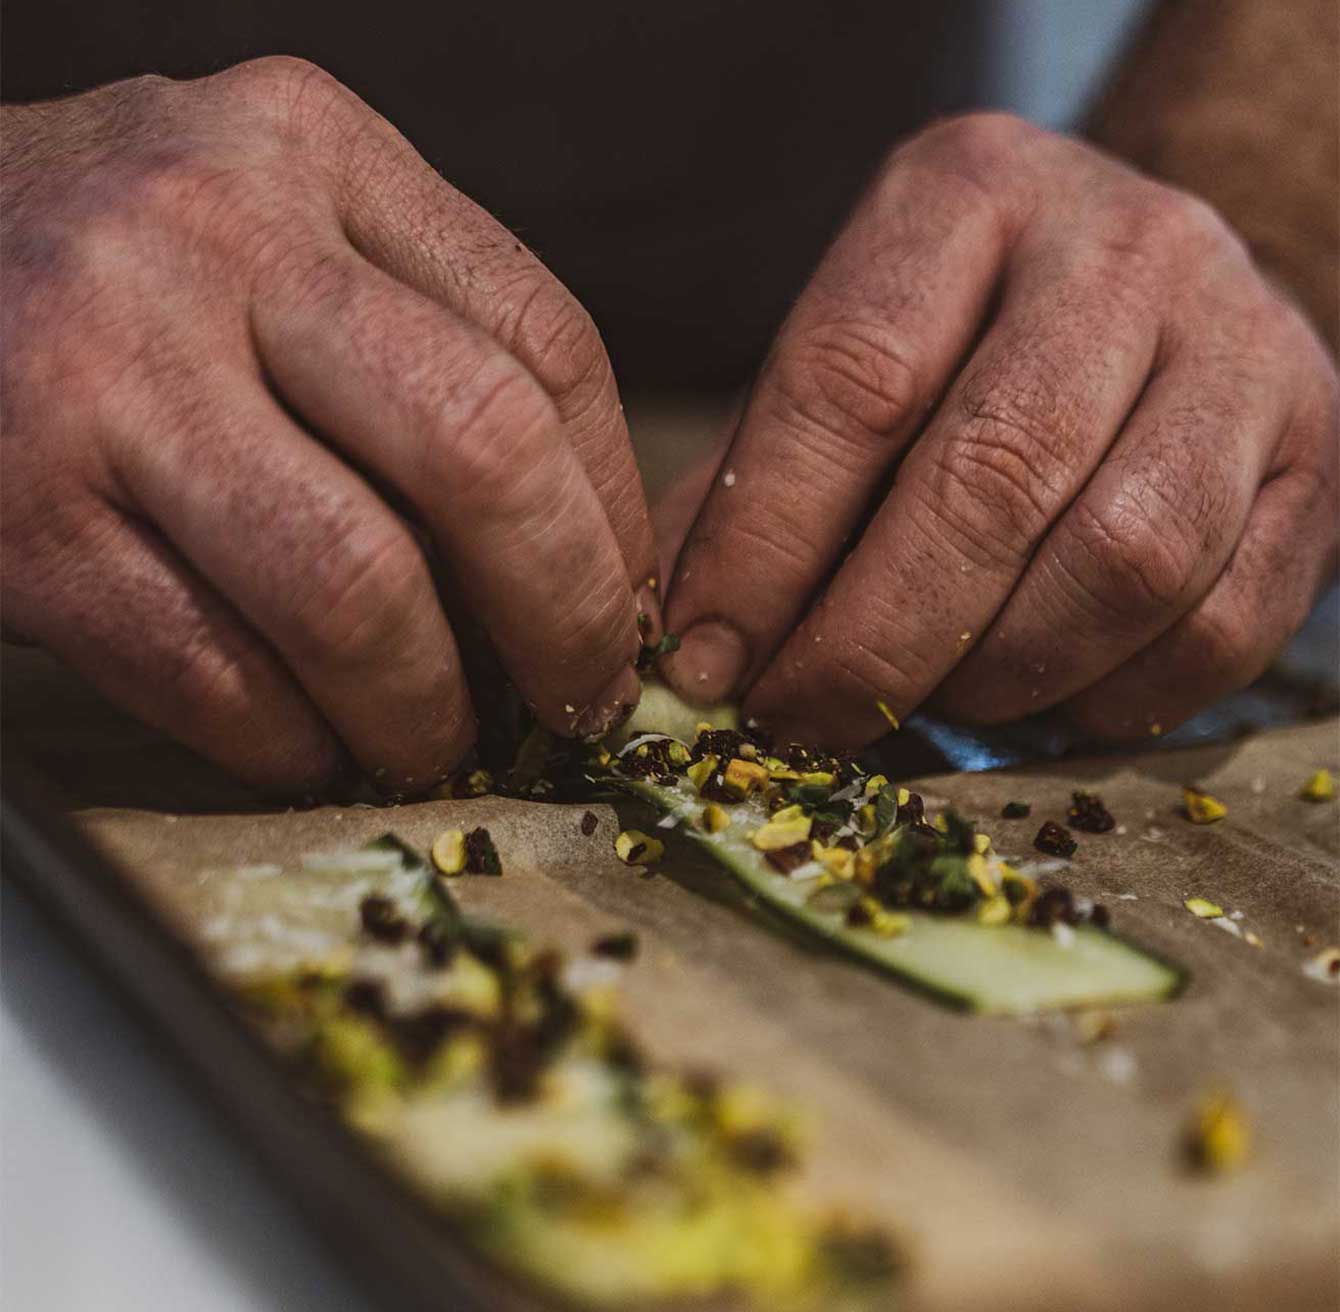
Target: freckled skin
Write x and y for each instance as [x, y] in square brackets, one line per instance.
[259, 362]
[1115, 447]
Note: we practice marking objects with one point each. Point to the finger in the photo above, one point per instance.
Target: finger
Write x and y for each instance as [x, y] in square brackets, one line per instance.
[892, 308]
[1286, 555]
[1024, 426]
[311, 556]
[115, 602]
[403, 217]
[408, 389]
[1139, 548]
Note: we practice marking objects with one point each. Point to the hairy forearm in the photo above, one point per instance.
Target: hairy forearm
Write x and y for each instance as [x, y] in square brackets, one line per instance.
[1236, 100]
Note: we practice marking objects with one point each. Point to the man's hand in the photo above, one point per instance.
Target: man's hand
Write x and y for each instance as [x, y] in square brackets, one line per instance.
[242, 320]
[1115, 450]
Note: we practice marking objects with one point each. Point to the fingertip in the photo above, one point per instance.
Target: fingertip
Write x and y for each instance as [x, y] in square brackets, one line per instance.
[610, 709]
[709, 663]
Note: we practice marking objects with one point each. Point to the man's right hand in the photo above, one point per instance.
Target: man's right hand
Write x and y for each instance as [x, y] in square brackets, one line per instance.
[242, 318]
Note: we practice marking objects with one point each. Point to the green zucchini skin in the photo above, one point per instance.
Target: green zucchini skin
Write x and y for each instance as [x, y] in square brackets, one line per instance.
[1004, 970]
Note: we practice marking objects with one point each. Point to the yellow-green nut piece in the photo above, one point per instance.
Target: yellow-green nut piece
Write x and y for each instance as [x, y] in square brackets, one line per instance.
[1219, 1137]
[1201, 808]
[779, 833]
[1319, 788]
[742, 777]
[634, 848]
[1203, 907]
[714, 818]
[448, 851]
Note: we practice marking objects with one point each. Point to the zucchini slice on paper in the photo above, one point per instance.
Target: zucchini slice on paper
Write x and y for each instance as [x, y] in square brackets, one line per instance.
[924, 900]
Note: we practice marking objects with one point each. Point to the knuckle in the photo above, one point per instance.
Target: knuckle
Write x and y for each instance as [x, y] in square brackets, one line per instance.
[484, 443]
[983, 148]
[1133, 570]
[853, 382]
[984, 477]
[368, 589]
[1220, 647]
[295, 96]
[1176, 219]
[554, 332]
[984, 134]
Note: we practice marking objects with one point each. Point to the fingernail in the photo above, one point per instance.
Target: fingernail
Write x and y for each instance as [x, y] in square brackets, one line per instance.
[650, 625]
[710, 662]
[612, 707]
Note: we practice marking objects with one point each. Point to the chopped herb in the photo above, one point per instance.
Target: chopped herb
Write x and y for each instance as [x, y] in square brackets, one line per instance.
[1055, 840]
[389, 842]
[419, 1035]
[481, 857]
[859, 1256]
[761, 1150]
[618, 947]
[787, 859]
[366, 996]
[650, 654]
[1087, 813]
[1055, 905]
[381, 920]
[1016, 811]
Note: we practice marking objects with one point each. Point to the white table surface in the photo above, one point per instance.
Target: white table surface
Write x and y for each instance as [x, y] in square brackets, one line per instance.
[121, 1189]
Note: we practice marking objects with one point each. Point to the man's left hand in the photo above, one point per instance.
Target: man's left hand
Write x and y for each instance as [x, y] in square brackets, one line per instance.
[1115, 448]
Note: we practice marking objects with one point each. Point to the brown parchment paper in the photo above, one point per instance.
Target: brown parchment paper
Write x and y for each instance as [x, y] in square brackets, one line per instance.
[1027, 1169]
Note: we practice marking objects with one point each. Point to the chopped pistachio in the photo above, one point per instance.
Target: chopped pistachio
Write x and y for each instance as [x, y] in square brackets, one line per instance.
[1203, 907]
[817, 779]
[874, 784]
[1319, 788]
[1219, 1136]
[836, 860]
[904, 796]
[884, 709]
[995, 910]
[779, 833]
[714, 818]
[1094, 1026]
[701, 771]
[742, 777]
[448, 851]
[634, 848]
[887, 924]
[866, 819]
[677, 753]
[1252, 939]
[1201, 808]
[981, 843]
[477, 783]
[980, 874]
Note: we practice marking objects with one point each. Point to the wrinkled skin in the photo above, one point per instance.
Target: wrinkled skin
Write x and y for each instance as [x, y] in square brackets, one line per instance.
[242, 321]
[257, 354]
[1115, 448]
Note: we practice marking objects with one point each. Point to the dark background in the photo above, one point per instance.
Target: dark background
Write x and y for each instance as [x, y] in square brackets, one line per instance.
[679, 166]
